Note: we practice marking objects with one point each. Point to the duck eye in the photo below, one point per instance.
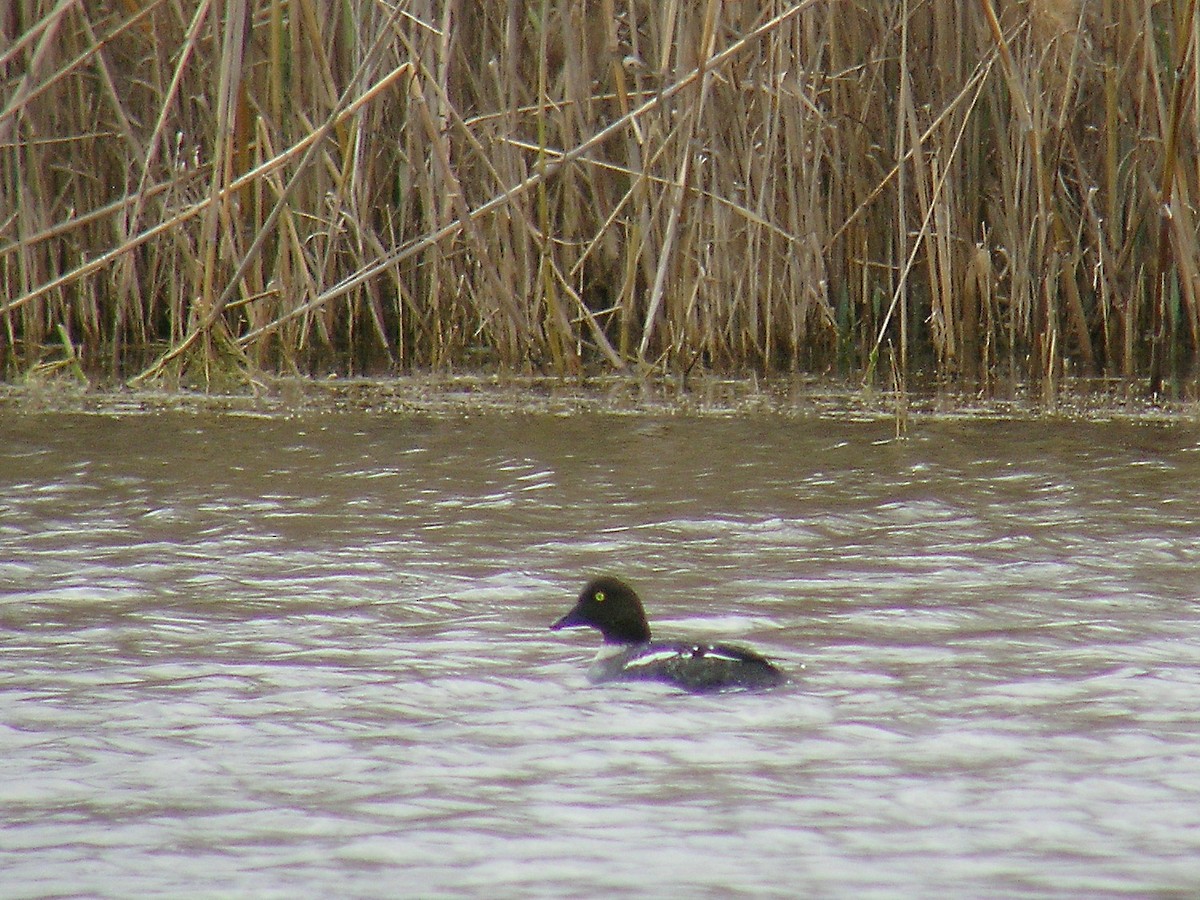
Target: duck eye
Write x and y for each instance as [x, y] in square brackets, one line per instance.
[598, 596]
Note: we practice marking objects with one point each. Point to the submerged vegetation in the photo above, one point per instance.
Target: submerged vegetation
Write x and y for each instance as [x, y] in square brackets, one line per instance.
[977, 190]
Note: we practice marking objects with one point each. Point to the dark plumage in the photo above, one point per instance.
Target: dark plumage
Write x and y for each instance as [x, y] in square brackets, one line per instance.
[613, 607]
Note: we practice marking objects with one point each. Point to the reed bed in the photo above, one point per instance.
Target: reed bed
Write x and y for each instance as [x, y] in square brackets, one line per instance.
[978, 189]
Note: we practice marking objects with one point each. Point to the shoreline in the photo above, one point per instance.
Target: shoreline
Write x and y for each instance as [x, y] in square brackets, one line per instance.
[702, 395]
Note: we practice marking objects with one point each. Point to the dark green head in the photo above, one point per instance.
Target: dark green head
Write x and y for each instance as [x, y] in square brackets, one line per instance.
[612, 606]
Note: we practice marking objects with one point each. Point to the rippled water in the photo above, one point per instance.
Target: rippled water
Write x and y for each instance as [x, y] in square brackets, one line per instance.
[309, 656]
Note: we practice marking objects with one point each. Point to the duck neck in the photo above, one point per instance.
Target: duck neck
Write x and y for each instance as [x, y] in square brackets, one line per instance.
[627, 633]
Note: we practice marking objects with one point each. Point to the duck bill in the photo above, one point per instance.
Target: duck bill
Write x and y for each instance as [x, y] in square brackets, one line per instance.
[570, 620]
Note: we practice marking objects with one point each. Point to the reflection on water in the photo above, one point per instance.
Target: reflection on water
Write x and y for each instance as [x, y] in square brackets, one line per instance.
[310, 655]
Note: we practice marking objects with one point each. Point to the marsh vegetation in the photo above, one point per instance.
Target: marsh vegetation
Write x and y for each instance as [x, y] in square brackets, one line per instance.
[975, 190]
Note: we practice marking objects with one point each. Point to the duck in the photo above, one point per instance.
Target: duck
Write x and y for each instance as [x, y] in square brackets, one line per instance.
[614, 608]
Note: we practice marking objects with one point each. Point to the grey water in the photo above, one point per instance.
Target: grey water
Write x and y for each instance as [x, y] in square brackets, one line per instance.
[308, 656]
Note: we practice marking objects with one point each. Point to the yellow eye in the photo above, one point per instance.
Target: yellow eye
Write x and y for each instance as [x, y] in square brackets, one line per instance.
[599, 596]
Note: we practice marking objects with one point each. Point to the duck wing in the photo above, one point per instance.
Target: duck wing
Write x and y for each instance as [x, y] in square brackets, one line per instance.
[699, 668]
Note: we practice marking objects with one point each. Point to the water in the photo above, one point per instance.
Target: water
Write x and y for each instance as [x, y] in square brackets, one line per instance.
[309, 656]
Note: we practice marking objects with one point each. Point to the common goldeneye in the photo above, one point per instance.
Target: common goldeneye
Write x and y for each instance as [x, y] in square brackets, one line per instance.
[628, 653]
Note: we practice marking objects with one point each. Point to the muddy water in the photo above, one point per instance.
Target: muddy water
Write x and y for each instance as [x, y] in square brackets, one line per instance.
[309, 657]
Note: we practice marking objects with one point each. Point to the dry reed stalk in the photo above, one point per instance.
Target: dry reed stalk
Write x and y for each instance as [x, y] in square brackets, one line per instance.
[1183, 249]
[329, 184]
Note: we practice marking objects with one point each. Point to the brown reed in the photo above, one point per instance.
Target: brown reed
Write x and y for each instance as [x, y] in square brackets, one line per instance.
[984, 189]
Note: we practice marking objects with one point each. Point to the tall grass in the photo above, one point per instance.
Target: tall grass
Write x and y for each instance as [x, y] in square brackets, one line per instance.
[979, 189]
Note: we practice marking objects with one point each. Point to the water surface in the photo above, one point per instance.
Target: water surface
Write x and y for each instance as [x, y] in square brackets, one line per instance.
[309, 656]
